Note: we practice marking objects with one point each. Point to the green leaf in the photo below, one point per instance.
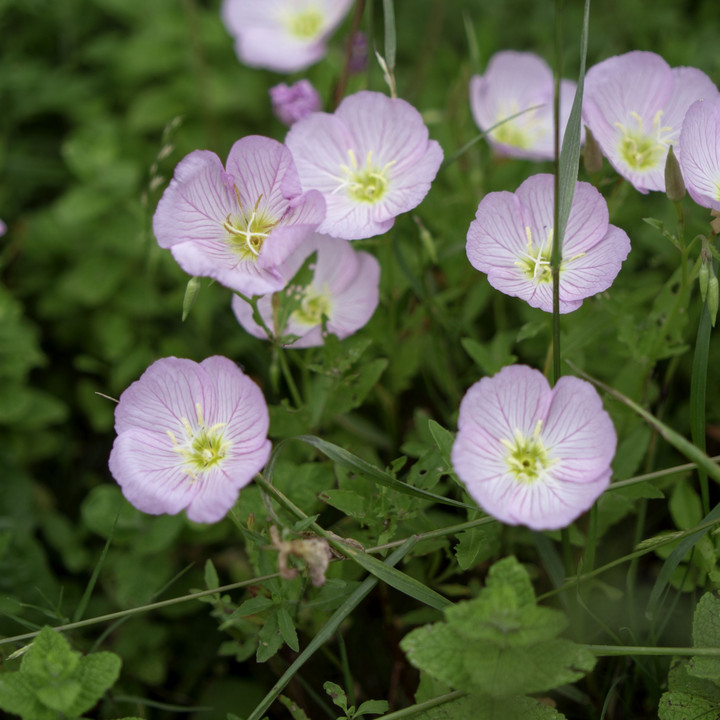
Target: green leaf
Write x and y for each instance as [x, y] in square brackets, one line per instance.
[50, 657]
[287, 629]
[476, 545]
[97, 673]
[17, 695]
[253, 606]
[337, 695]
[373, 707]
[501, 643]
[684, 505]
[211, 577]
[60, 695]
[681, 706]
[293, 708]
[269, 639]
[474, 707]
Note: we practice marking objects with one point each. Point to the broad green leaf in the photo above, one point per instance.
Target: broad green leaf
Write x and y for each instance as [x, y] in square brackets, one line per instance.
[50, 657]
[97, 673]
[685, 508]
[681, 706]
[373, 707]
[17, 695]
[60, 695]
[474, 707]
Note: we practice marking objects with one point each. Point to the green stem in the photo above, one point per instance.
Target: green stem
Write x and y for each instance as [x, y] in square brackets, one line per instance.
[421, 707]
[615, 650]
[557, 239]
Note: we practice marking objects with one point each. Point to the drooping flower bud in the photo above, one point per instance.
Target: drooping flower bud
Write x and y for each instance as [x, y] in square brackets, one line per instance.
[674, 185]
[291, 103]
[712, 299]
[703, 279]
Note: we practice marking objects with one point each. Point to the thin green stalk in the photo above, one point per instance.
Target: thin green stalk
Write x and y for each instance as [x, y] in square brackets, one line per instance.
[328, 630]
[557, 236]
[289, 380]
[698, 390]
[144, 608]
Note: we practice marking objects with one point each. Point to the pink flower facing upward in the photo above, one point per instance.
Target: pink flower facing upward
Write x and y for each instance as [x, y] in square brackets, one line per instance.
[282, 35]
[635, 104]
[700, 159]
[371, 160]
[343, 291]
[531, 455]
[237, 226]
[292, 103]
[511, 240]
[189, 437]
[513, 82]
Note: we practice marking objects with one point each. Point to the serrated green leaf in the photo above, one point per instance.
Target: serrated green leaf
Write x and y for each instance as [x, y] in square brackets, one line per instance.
[96, 673]
[509, 571]
[269, 639]
[287, 629]
[50, 657]
[706, 622]
[681, 706]
[59, 696]
[17, 696]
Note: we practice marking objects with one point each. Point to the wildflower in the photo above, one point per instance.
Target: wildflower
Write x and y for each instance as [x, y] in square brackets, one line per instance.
[511, 240]
[3, 228]
[512, 83]
[189, 437]
[371, 160]
[531, 455]
[237, 226]
[342, 294]
[358, 52]
[634, 104]
[282, 35]
[294, 102]
[700, 159]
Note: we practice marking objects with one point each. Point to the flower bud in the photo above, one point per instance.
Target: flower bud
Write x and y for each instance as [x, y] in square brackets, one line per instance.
[191, 293]
[712, 299]
[592, 156]
[292, 103]
[703, 279]
[674, 185]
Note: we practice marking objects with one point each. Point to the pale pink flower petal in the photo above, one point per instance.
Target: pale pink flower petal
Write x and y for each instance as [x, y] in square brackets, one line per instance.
[189, 437]
[532, 455]
[282, 35]
[371, 160]
[635, 104]
[343, 290]
[700, 160]
[511, 241]
[512, 83]
[239, 224]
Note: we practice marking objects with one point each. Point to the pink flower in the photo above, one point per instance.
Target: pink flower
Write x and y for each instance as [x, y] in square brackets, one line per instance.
[3, 228]
[700, 159]
[282, 35]
[511, 240]
[371, 160]
[531, 455]
[635, 104]
[343, 291]
[237, 226]
[189, 437]
[294, 102]
[513, 82]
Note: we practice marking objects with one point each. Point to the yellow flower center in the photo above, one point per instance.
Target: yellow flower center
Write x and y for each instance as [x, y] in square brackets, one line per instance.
[306, 25]
[314, 306]
[527, 459]
[364, 184]
[247, 230]
[642, 150]
[536, 261]
[203, 447]
[522, 132]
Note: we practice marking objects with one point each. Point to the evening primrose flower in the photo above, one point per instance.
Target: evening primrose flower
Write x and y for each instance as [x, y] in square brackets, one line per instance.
[343, 293]
[189, 437]
[237, 225]
[371, 160]
[3, 228]
[700, 160]
[291, 103]
[635, 104]
[282, 35]
[511, 241]
[512, 83]
[531, 455]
